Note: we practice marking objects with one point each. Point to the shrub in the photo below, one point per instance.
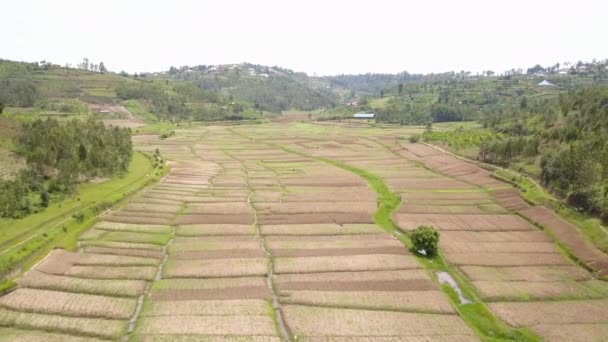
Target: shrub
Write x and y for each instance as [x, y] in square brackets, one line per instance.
[414, 138]
[425, 238]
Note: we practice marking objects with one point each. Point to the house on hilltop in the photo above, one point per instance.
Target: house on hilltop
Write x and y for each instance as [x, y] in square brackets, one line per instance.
[546, 83]
[364, 116]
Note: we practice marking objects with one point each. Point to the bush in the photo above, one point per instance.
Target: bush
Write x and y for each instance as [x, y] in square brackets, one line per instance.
[414, 138]
[425, 238]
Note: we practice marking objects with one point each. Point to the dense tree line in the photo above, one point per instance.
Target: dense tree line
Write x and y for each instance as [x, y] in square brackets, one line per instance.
[59, 156]
[405, 112]
[569, 137]
[18, 92]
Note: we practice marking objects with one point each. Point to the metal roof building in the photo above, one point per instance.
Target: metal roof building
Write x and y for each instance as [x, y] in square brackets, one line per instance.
[364, 116]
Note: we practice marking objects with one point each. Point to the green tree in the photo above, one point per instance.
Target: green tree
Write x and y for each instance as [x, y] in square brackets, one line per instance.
[44, 199]
[425, 238]
[102, 68]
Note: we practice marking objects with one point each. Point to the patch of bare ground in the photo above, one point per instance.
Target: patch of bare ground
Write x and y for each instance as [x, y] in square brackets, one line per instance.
[137, 219]
[241, 325]
[231, 307]
[96, 327]
[68, 304]
[216, 268]
[337, 218]
[510, 199]
[429, 184]
[317, 207]
[143, 228]
[330, 195]
[141, 214]
[214, 229]
[39, 280]
[579, 332]
[201, 244]
[242, 292]
[448, 246]
[335, 277]
[151, 208]
[466, 222]
[320, 229]
[108, 272]
[123, 251]
[525, 273]
[16, 335]
[507, 259]
[218, 254]
[218, 208]
[561, 312]
[517, 290]
[567, 234]
[307, 321]
[122, 245]
[311, 252]
[215, 219]
[418, 301]
[345, 263]
[506, 237]
[448, 209]
[208, 283]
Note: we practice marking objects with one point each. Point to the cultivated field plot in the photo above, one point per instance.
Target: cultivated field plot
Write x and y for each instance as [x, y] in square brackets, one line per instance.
[257, 235]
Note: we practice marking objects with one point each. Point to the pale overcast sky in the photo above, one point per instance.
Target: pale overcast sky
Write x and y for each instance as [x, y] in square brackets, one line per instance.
[323, 37]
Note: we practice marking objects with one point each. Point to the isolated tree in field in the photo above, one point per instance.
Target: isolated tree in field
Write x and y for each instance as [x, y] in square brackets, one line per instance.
[400, 88]
[425, 238]
[102, 68]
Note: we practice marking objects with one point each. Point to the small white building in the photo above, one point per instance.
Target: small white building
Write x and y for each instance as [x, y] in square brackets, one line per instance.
[546, 83]
[366, 116]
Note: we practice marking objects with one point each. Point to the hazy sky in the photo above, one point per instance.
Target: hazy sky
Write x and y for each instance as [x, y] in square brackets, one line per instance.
[326, 36]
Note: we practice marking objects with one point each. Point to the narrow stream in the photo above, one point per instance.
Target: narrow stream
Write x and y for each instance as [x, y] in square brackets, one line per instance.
[446, 278]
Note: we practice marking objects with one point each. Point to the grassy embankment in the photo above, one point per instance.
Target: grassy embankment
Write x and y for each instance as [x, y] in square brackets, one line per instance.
[25, 241]
[476, 314]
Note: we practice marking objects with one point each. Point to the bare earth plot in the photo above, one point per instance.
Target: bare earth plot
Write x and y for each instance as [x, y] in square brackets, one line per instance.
[245, 240]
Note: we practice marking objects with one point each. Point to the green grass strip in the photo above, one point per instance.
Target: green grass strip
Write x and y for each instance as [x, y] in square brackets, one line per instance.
[477, 315]
[56, 226]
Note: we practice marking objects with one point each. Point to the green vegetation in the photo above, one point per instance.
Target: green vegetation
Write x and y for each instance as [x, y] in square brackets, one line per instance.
[560, 141]
[24, 241]
[425, 238]
[59, 156]
[460, 137]
[270, 89]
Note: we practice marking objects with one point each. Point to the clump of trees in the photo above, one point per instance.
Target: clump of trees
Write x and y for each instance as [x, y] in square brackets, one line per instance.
[75, 150]
[59, 156]
[425, 238]
[18, 92]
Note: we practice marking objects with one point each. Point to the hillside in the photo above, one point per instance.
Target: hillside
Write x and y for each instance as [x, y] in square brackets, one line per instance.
[31, 90]
[272, 89]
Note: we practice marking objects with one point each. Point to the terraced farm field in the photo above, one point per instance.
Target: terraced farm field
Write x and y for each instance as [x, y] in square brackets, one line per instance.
[281, 232]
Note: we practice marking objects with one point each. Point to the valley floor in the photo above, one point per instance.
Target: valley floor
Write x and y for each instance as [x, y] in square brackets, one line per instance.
[277, 232]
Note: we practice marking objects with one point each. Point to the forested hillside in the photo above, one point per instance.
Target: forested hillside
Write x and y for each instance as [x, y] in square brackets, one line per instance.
[563, 141]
